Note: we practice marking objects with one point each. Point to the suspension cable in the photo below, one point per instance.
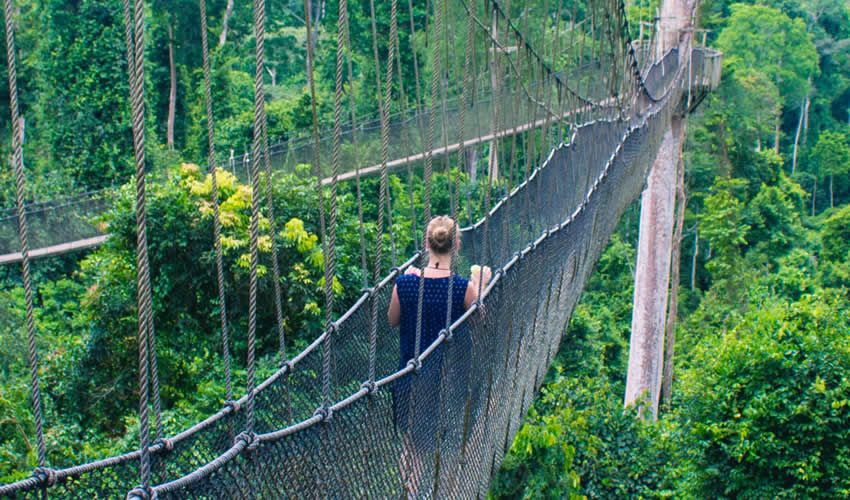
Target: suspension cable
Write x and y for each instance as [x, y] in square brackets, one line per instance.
[435, 81]
[254, 174]
[328, 234]
[273, 234]
[461, 150]
[351, 100]
[20, 189]
[136, 65]
[219, 261]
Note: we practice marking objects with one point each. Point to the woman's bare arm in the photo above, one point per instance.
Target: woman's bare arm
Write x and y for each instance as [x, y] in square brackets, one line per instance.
[394, 311]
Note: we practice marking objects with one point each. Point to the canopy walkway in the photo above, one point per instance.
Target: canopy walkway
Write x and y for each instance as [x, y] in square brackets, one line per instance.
[323, 425]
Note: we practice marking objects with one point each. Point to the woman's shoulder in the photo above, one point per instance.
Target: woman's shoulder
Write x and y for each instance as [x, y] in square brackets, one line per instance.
[460, 280]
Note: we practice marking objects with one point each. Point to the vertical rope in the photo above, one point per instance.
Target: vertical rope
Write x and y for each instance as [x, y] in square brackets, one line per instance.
[435, 81]
[556, 57]
[384, 194]
[351, 100]
[328, 237]
[154, 370]
[461, 150]
[405, 136]
[136, 53]
[20, 189]
[485, 253]
[273, 234]
[415, 64]
[384, 100]
[219, 263]
[254, 174]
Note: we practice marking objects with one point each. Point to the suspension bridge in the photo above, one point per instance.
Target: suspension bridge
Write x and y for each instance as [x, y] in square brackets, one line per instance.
[578, 114]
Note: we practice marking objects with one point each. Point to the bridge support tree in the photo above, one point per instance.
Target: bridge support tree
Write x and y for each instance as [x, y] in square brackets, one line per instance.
[652, 267]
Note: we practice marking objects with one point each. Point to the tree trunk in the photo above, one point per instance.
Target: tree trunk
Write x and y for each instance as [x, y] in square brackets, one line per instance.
[758, 132]
[471, 157]
[694, 259]
[672, 310]
[778, 117]
[814, 193]
[797, 137]
[806, 112]
[273, 74]
[172, 94]
[724, 151]
[228, 11]
[652, 275]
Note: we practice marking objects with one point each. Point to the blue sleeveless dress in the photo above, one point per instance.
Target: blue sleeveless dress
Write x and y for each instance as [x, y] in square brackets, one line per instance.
[423, 401]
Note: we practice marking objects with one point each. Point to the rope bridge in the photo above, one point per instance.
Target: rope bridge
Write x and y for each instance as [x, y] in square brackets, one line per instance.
[323, 424]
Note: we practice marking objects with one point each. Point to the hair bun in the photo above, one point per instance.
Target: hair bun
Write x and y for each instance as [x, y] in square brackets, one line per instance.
[439, 234]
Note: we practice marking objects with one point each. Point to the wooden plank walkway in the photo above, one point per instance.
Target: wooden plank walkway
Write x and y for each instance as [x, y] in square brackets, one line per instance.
[70, 246]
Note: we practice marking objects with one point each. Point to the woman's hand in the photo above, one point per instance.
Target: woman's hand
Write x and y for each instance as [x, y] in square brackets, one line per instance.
[480, 275]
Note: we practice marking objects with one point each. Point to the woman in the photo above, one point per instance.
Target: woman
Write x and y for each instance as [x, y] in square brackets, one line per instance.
[416, 412]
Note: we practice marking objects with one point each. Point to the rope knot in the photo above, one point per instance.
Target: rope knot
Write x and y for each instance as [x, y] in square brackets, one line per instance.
[254, 442]
[166, 444]
[251, 440]
[45, 475]
[141, 493]
[370, 386]
[234, 406]
[324, 412]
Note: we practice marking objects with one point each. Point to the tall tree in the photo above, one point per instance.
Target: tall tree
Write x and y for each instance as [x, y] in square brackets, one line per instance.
[652, 268]
[786, 56]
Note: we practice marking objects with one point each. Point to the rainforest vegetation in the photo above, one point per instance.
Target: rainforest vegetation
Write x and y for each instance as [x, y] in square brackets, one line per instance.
[761, 394]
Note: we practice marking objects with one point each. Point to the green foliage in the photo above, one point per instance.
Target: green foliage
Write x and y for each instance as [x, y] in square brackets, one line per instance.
[578, 442]
[835, 240]
[769, 404]
[596, 340]
[185, 290]
[83, 76]
[831, 154]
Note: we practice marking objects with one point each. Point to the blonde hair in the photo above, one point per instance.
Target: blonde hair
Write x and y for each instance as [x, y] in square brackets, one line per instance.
[441, 234]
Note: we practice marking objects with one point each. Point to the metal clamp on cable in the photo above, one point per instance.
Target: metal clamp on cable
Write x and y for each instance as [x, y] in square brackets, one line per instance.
[140, 493]
[45, 475]
[395, 270]
[287, 367]
[416, 364]
[370, 291]
[332, 328]
[166, 444]
[370, 386]
[234, 406]
[447, 333]
[324, 412]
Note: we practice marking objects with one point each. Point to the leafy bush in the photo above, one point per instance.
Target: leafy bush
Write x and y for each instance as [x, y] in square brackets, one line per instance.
[578, 442]
[769, 404]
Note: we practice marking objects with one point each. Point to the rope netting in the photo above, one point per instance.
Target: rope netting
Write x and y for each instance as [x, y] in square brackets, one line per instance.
[584, 131]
